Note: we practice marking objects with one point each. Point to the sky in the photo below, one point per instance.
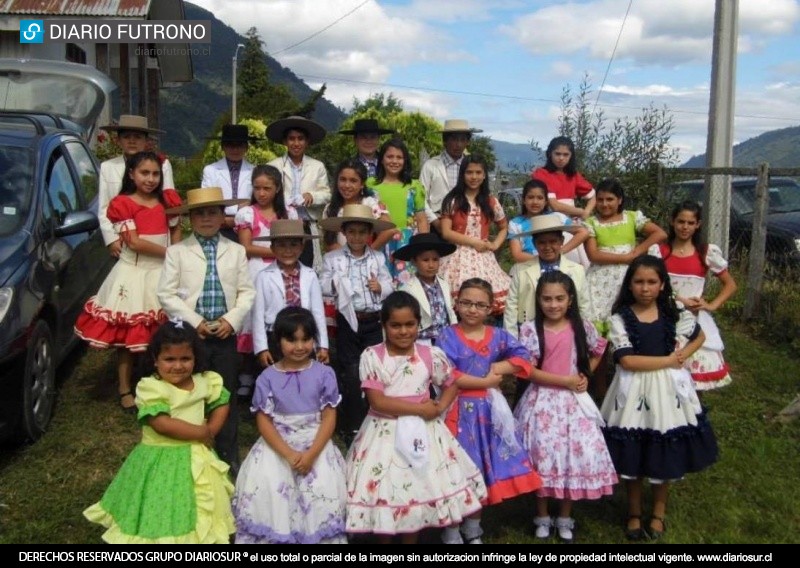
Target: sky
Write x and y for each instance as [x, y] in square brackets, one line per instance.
[502, 64]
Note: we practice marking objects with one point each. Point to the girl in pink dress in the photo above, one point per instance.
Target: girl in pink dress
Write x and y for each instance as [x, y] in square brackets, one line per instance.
[467, 213]
[126, 312]
[556, 418]
[688, 261]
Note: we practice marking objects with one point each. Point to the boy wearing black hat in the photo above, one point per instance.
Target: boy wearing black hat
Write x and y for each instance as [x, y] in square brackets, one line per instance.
[424, 251]
[232, 173]
[366, 135]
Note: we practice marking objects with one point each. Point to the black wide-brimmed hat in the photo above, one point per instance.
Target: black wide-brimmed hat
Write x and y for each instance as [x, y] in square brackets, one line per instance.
[422, 242]
[276, 131]
[234, 134]
[366, 126]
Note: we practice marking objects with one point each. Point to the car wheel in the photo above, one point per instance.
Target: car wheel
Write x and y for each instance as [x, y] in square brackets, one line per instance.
[38, 383]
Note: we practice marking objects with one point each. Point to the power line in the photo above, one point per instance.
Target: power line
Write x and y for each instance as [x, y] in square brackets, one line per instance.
[315, 34]
[518, 98]
[610, 59]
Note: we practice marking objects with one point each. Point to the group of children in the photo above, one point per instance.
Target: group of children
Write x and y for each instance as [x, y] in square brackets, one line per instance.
[416, 390]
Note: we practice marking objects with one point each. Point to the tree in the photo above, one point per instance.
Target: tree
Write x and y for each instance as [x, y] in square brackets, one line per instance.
[626, 149]
[258, 97]
[483, 145]
[420, 132]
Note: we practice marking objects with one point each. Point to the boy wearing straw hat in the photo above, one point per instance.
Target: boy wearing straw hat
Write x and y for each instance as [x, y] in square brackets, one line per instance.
[131, 136]
[439, 174]
[206, 283]
[521, 303]
[424, 251]
[286, 282]
[358, 278]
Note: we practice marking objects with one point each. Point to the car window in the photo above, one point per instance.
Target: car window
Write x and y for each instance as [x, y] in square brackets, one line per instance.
[87, 172]
[61, 191]
[16, 187]
[784, 196]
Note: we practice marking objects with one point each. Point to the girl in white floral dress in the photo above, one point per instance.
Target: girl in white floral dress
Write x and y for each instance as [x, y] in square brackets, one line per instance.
[405, 471]
[290, 488]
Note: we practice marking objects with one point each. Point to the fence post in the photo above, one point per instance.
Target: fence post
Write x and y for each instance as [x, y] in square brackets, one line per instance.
[758, 244]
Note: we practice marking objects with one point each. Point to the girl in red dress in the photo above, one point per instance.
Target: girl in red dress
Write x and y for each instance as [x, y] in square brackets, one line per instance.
[126, 312]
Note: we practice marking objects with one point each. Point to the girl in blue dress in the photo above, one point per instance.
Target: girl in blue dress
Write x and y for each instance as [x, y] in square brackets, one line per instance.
[480, 418]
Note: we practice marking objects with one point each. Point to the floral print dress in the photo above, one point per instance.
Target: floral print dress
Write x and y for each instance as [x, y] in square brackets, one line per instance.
[560, 428]
[273, 504]
[385, 494]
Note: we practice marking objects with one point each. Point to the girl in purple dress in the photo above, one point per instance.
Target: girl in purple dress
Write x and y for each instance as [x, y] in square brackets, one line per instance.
[556, 418]
[480, 418]
[291, 486]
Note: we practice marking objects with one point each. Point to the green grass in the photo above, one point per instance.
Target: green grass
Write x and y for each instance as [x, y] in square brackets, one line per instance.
[749, 496]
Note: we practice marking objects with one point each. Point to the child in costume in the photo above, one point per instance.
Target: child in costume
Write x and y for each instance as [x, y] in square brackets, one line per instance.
[557, 420]
[656, 427]
[405, 471]
[172, 488]
[481, 419]
[291, 488]
[125, 312]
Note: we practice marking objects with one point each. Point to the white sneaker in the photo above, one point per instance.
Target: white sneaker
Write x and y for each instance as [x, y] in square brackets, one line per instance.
[476, 540]
[543, 527]
[565, 527]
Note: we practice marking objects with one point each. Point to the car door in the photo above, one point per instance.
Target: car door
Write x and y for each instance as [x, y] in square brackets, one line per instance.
[61, 272]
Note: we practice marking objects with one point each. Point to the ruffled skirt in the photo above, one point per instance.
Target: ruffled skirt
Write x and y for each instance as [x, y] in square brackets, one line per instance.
[656, 427]
[167, 495]
[275, 505]
[125, 312]
[385, 495]
[467, 263]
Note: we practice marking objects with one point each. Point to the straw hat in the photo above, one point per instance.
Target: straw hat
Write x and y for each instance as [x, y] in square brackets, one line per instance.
[276, 130]
[423, 242]
[234, 134]
[366, 126]
[286, 229]
[548, 223]
[205, 197]
[132, 122]
[458, 125]
[359, 213]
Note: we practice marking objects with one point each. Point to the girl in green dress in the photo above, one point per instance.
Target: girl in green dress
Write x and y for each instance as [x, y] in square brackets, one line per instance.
[172, 488]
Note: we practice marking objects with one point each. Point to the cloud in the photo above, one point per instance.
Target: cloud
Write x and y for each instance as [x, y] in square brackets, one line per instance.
[655, 32]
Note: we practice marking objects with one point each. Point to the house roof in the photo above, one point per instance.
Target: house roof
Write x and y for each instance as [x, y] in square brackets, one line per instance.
[124, 8]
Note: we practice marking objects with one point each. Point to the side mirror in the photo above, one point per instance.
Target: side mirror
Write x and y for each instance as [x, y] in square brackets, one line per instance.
[77, 222]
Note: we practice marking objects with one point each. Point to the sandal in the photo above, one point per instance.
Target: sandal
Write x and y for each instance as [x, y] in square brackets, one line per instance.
[127, 409]
[656, 534]
[637, 533]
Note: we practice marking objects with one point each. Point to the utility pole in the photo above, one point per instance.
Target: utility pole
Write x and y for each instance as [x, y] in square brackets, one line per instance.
[719, 144]
[233, 83]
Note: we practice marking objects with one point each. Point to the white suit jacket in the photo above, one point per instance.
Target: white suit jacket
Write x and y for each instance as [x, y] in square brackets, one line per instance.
[111, 172]
[335, 280]
[433, 176]
[313, 180]
[414, 287]
[185, 270]
[271, 298]
[521, 301]
[218, 175]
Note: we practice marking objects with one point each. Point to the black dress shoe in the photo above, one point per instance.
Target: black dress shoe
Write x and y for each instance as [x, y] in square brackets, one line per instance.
[635, 534]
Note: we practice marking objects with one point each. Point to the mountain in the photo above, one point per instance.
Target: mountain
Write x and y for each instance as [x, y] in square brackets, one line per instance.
[780, 148]
[516, 157]
[189, 112]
